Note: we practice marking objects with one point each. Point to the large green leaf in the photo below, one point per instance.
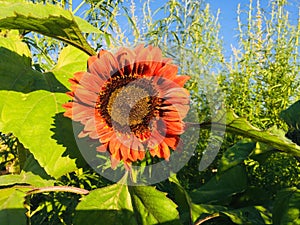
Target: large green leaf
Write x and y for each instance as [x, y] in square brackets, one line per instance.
[241, 126]
[12, 209]
[24, 178]
[70, 60]
[152, 206]
[31, 165]
[182, 199]
[110, 205]
[31, 106]
[220, 187]
[287, 207]
[48, 20]
[119, 204]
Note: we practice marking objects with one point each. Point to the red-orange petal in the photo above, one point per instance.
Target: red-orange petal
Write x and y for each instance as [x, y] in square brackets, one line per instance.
[105, 137]
[91, 60]
[125, 58]
[175, 127]
[102, 148]
[181, 80]
[172, 141]
[164, 151]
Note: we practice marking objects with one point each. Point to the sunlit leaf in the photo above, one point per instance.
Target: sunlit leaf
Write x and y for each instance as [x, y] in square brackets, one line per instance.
[12, 209]
[109, 205]
[24, 178]
[153, 206]
[119, 204]
[31, 107]
[241, 126]
[48, 20]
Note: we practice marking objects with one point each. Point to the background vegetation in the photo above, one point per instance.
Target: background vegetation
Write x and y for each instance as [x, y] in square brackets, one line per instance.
[255, 177]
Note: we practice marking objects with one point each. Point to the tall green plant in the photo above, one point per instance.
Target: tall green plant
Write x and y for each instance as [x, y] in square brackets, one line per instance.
[262, 78]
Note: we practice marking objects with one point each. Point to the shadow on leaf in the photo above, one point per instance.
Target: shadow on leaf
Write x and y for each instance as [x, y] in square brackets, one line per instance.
[65, 135]
[16, 74]
[112, 217]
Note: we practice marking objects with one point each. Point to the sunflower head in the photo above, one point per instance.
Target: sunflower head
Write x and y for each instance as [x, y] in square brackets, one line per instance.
[132, 102]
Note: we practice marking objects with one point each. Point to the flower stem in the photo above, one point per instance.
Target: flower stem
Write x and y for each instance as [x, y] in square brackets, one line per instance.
[58, 188]
[207, 218]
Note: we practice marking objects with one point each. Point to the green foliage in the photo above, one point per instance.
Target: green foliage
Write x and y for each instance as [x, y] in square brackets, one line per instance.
[8, 154]
[11, 205]
[219, 188]
[25, 178]
[48, 20]
[263, 73]
[37, 97]
[286, 207]
[254, 178]
[119, 204]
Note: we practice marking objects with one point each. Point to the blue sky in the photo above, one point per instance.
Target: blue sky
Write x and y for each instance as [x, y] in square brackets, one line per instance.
[228, 15]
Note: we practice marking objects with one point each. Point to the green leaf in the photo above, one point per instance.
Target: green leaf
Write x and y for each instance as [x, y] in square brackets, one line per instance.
[182, 199]
[292, 117]
[31, 165]
[153, 206]
[19, 115]
[189, 211]
[253, 196]
[70, 60]
[287, 207]
[48, 20]
[86, 27]
[201, 211]
[22, 78]
[245, 216]
[12, 209]
[110, 205]
[235, 155]
[241, 126]
[31, 107]
[119, 204]
[24, 178]
[222, 186]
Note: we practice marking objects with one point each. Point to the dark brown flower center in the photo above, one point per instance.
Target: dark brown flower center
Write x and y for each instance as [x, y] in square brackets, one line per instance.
[128, 104]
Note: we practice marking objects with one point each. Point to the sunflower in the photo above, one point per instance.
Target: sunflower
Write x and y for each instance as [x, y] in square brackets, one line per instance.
[132, 101]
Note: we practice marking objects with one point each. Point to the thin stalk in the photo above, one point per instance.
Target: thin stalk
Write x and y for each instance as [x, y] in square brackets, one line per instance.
[75, 190]
[201, 221]
[78, 7]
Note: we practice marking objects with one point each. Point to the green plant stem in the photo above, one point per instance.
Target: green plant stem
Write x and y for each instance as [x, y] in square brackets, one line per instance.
[58, 188]
[246, 133]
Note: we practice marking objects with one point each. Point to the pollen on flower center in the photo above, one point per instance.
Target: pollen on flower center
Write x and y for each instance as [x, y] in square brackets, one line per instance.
[128, 105]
